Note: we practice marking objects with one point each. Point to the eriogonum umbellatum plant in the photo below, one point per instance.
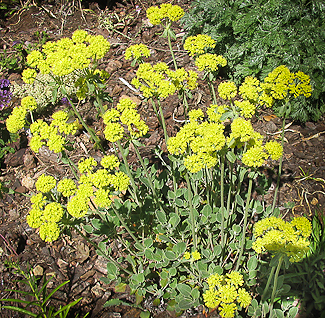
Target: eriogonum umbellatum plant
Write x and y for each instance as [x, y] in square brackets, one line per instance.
[184, 226]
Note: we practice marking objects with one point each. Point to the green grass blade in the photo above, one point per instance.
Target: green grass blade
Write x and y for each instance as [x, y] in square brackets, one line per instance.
[68, 306]
[21, 310]
[54, 291]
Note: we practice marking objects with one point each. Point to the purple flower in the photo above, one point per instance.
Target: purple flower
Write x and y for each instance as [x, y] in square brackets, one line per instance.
[5, 94]
[65, 101]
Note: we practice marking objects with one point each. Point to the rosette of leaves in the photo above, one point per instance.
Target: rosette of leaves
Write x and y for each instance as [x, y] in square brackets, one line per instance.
[256, 36]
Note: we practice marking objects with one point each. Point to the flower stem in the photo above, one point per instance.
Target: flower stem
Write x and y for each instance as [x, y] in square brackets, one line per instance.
[242, 244]
[275, 285]
[280, 170]
[193, 223]
[163, 120]
[222, 204]
[127, 167]
[170, 45]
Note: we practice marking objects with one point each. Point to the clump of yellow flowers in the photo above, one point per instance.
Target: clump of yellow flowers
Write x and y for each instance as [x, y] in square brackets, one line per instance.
[52, 135]
[199, 44]
[17, 119]
[95, 189]
[225, 292]
[124, 114]
[200, 142]
[159, 81]
[168, 11]
[278, 236]
[66, 55]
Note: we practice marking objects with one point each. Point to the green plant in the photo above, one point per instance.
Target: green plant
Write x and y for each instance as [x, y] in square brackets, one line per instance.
[39, 306]
[256, 36]
[185, 223]
[307, 277]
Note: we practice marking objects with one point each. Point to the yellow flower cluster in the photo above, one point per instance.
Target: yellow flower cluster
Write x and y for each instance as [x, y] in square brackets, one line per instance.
[172, 12]
[160, 81]
[17, 119]
[194, 256]
[198, 142]
[278, 236]
[66, 55]
[198, 44]
[227, 90]
[137, 51]
[282, 84]
[225, 292]
[210, 62]
[124, 114]
[242, 132]
[99, 185]
[45, 216]
[51, 135]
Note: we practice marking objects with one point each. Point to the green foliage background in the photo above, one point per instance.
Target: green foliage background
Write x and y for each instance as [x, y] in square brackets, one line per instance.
[256, 36]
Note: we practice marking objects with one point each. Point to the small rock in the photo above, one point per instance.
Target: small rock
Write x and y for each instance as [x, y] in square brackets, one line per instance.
[21, 189]
[15, 159]
[14, 215]
[98, 291]
[113, 66]
[29, 161]
[38, 270]
[116, 90]
[101, 265]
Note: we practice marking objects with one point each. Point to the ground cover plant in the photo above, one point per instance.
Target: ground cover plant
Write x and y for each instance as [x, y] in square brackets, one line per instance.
[257, 36]
[184, 224]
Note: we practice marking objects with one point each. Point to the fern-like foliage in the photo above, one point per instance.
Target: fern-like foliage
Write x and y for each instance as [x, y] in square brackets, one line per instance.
[256, 36]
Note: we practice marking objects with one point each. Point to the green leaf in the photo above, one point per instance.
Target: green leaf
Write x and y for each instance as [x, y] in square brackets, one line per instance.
[54, 291]
[293, 311]
[179, 248]
[145, 314]
[252, 263]
[279, 313]
[174, 219]
[112, 270]
[231, 156]
[239, 200]
[184, 289]
[170, 255]
[21, 310]
[161, 216]
[148, 242]
[171, 195]
[66, 308]
[185, 303]
[120, 288]
[115, 302]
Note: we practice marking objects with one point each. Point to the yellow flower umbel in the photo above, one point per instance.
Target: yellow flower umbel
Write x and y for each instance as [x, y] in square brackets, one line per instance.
[66, 55]
[53, 135]
[166, 11]
[136, 52]
[278, 236]
[17, 119]
[198, 142]
[225, 292]
[124, 114]
[199, 44]
[210, 62]
[159, 81]
[281, 84]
